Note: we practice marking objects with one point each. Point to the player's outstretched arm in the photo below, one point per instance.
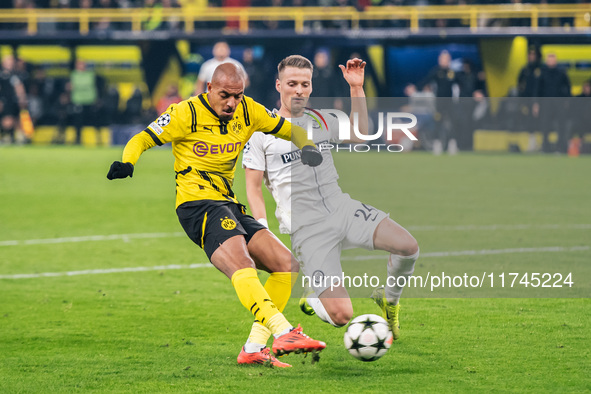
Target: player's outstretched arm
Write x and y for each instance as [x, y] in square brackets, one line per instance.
[131, 154]
[354, 74]
[269, 123]
[172, 125]
[311, 156]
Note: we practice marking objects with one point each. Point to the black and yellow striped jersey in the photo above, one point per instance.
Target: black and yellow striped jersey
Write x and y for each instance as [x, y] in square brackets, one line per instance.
[205, 148]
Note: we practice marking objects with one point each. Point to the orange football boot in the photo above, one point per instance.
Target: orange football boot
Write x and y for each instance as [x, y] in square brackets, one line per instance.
[296, 341]
[263, 357]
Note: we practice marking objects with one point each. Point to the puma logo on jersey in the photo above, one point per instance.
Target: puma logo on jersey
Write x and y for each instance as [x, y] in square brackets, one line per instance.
[291, 156]
[297, 154]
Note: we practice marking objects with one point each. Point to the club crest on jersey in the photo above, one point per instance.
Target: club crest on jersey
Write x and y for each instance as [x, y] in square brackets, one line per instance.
[163, 120]
[236, 127]
[228, 224]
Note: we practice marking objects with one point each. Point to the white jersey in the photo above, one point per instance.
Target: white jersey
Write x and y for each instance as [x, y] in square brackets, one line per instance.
[308, 199]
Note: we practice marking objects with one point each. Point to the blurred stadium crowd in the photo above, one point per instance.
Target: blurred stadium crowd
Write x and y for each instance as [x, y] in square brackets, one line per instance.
[359, 4]
[156, 21]
[452, 102]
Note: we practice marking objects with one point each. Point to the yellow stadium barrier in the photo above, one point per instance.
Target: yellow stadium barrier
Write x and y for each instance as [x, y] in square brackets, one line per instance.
[472, 14]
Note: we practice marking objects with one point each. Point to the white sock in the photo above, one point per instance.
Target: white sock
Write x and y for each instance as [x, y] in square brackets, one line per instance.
[251, 347]
[399, 266]
[283, 332]
[321, 312]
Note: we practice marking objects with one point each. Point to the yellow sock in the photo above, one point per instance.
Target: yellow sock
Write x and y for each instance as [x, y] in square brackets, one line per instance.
[255, 298]
[278, 286]
[259, 334]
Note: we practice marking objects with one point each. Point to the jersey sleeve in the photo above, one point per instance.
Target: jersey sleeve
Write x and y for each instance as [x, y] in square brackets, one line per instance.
[253, 156]
[270, 123]
[174, 124]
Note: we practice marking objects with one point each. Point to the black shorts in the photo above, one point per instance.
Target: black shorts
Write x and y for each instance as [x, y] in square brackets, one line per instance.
[209, 223]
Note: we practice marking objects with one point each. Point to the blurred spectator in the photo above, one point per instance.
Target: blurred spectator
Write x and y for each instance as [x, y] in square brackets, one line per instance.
[480, 113]
[170, 97]
[478, 117]
[323, 80]
[221, 54]
[36, 104]
[133, 109]
[257, 75]
[234, 23]
[528, 83]
[586, 90]
[327, 81]
[84, 95]
[12, 99]
[156, 20]
[528, 86]
[48, 89]
[468, 81]
[580, 111]
[66, 4]
[111, 106]
[422, 105]
[63, 110]
[273, 24]
[554, 84]
[443, 79]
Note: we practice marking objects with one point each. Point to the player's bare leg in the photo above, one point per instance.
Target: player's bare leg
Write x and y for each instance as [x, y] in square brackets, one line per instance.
[404, 251]
[270, 254]
[393, 238]
[332, 306]
[232, 256]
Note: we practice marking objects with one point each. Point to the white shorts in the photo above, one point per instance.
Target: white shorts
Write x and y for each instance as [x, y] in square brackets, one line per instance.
[318, 247]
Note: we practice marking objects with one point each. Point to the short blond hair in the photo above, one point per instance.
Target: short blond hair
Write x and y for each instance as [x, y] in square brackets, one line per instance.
[296, 61]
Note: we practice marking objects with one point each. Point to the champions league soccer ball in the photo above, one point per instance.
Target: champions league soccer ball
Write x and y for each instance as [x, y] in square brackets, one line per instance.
[368, 337]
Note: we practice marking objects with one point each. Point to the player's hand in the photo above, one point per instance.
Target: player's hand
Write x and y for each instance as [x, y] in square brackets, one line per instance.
[354, 72]
[120, 170]
[311, 156]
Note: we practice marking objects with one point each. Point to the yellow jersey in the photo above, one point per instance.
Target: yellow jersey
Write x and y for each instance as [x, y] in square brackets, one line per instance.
[205, 148]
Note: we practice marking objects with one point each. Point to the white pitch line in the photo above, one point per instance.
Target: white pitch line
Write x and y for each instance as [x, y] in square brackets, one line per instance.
[551, 249]
[354, 258]
[128, 237]
[492, 227]
[107, 271]
[90, 238]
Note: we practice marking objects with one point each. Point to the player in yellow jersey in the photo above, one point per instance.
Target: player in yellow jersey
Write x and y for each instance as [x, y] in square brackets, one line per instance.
[208, 133]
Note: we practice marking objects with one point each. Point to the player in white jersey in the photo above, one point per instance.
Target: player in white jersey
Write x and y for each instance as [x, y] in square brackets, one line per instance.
[321, 219]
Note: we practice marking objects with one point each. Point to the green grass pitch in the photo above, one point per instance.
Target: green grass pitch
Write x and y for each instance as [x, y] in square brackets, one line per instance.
[180, 330]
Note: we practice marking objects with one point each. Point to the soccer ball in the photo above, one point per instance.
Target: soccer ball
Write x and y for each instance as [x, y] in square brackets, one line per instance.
[368, 337]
